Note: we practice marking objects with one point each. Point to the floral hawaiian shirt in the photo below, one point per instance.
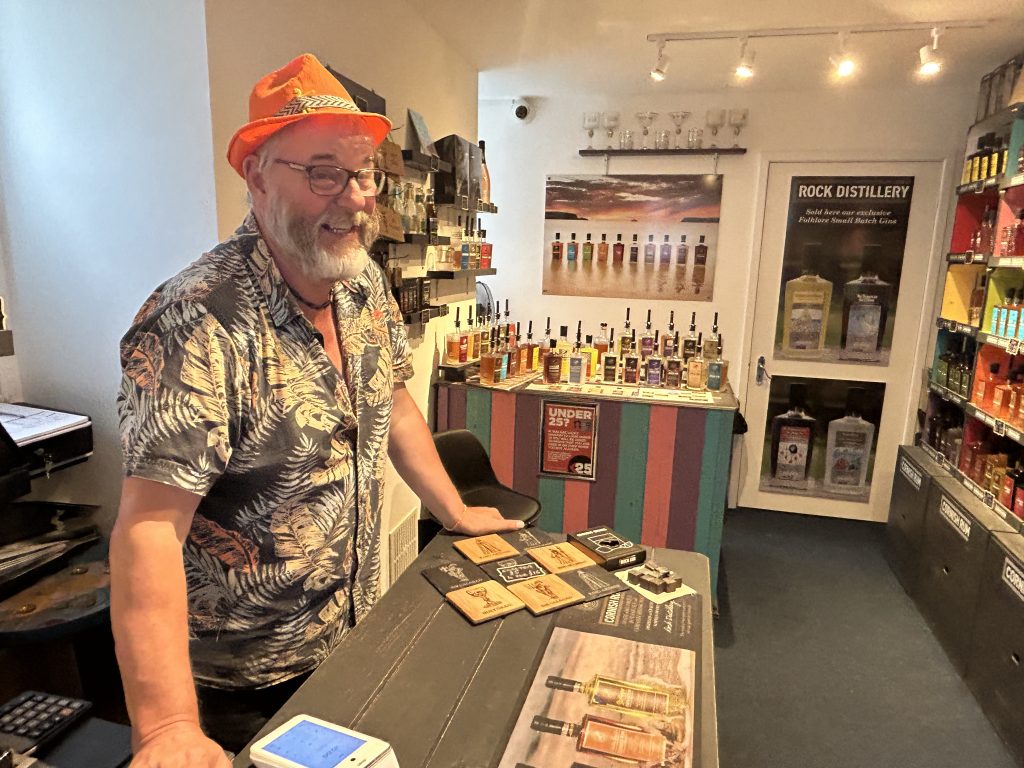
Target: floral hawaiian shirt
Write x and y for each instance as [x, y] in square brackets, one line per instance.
[227, 392]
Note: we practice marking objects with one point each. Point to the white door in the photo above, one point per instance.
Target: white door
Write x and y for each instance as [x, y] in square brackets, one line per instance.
[899, 371]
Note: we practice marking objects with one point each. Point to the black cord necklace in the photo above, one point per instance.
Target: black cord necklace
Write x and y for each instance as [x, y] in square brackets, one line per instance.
[309, 304]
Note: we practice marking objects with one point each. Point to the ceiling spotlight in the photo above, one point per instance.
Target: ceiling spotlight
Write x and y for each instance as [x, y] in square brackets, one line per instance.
[661, 66]
[931, 62]
[844, 65]
[745, 67]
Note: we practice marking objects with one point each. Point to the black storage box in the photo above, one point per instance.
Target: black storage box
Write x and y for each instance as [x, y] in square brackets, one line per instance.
[607, 548]
[453, 188]
[912, 482]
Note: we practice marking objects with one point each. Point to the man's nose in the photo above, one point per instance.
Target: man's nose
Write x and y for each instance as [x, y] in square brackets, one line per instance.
[350, 197]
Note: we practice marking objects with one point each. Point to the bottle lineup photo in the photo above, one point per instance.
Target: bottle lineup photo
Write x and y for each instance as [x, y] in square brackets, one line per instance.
[821, 437]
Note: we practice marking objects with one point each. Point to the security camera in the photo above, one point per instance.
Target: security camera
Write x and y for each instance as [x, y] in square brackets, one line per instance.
[523, 109]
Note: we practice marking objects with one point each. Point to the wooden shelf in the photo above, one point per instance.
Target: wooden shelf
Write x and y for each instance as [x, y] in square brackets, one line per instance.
[424, 315]
[662, 152]
[980, 187]
[418, 239]
[451, 274]
[957, 327]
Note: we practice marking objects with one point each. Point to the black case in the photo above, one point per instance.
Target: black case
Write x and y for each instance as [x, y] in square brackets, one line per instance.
[455, 188]
[911, 485]
[595, 544]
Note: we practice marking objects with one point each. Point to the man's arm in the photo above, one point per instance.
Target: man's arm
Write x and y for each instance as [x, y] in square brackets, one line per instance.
[411, 449]
[149, 614]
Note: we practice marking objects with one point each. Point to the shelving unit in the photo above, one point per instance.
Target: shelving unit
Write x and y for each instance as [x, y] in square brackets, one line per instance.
[662, 152]
[451, 274]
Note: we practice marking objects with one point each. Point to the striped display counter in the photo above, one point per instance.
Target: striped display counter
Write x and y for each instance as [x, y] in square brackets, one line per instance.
[662, 467]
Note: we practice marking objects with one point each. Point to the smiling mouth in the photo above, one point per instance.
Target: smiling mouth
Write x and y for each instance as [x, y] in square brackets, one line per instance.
[338, 230]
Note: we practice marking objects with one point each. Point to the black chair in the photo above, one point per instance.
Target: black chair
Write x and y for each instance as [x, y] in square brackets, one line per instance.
[469, 467]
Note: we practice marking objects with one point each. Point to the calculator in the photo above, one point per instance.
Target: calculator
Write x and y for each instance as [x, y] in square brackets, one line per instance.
[33, 719]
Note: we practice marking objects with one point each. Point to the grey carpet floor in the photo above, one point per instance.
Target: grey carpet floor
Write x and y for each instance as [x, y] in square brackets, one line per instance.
[823, 661]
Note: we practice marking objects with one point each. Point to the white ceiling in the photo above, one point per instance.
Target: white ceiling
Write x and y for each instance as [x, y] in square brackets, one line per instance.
[549, 47]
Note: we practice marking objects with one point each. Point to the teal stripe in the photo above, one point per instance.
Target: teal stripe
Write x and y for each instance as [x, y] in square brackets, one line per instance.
[478, 415]
[551, 494]
[632, 469]
[714, 485]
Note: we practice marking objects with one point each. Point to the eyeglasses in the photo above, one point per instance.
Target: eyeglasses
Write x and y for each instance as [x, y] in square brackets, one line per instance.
[329, 180]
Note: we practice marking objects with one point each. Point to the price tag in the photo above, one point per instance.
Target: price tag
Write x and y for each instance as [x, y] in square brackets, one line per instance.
[1013, 346]
[389, 158]
[940, 322]
[999, 428]
[941, 459]
[989, 499]
[968, 258]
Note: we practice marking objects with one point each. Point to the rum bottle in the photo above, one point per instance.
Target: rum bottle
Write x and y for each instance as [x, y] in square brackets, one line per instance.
[513, 353]
[690, 342]
[865, 309]
[532, 358]
[601, 736]
[602, 249]
[682, 251]
[609, 367]
[848, 448]
[553, 364]
[571, 249]
[577, 365]
[457, 343]
[618, 250]
[490, 362]
[668, 338]
[793, 439]
[650, 250]
[711, 340]
[634, 251]
[674, 375]
[556, 246]
[626, 696]
[977, 303]
[593, 358]
[718, 369]
[631, 366]
[805, 312]
[700, 252]
[483, 328]
[601, 343]
[695, 373]
[625, 338]
[655, 366]
[588, 249]
[472, 336]
[647, 342]
[666, 252]
[564, 347]
[486, 250]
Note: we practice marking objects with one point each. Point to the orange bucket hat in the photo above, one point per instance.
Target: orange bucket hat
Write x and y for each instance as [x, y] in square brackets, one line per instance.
[300, 88]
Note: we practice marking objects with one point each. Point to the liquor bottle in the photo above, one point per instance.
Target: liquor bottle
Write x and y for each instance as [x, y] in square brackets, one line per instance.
[666, 252]
[625, 338]
[1001, 396]
[476, 251]
[634, 251]
[430, 227]
[483, 328]
[618, 250]
[571, 249]
[486, 251]
[682, 252]
[977, 302]
[848, 448]
[668, 338]
[564, 347]
[485, 175]
[690, 342]
[655, 366]
[577, 365]
[620, 741]
[806, 308]
[553, 364]
[625, 696]
[508, 325]
[454, 253]
[985, 149]
[1016, 241]
[532, 357]
[793, 439]
[1013, 314]
[609, 367]
[695, 374]
[650, 250]
[711, 340]
[457, 343]
[490, 362]
[588, 249]
[602, 249]
[556, 246]
[718, 370]
[467, 246]
[1004, 311]
[700, 252]
[1011, 481]
[514, 354]
[865, 309]
[544, 347]
[674, 368]
[966, 365]
[472, 336]
[987, 232]
[647, 343]
[631, 365]
[601, 343]
[984, 386]
[593, 358]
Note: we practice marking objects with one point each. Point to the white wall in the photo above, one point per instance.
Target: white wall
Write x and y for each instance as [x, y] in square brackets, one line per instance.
[814, 124]
[106, 176]
[388, 47]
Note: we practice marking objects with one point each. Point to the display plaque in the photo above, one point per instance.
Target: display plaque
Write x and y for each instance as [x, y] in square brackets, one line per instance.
[569, 439]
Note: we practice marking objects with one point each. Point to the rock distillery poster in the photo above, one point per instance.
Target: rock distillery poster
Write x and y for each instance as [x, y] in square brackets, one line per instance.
[841, 267]
[820, 437]
[569, 440]
[632, 236]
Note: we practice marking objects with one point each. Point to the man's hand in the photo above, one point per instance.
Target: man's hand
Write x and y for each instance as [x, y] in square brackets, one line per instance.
[182, 745]
[476, 521]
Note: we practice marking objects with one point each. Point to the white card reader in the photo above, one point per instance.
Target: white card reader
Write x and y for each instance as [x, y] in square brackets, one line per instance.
[308, 742]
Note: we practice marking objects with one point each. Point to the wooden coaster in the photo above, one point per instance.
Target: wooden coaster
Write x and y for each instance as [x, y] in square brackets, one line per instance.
[559, 558]
[545, 593]
[485, 601]
[486, 549]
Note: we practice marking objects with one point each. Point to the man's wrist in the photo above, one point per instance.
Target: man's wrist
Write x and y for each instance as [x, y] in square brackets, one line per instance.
[167, 724]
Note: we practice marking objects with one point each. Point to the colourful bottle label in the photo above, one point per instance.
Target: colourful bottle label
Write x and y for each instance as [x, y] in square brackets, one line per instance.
[791, 458]
[570, 252]
[848, 457]
[994, 321]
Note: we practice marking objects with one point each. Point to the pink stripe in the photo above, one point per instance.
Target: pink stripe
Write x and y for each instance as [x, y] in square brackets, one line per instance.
[577, 501]
[503, 435]
[661, 438]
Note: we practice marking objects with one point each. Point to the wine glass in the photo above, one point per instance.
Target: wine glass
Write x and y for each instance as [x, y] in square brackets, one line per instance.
[678, 118]
[715, 119]
[590, 121]
[611, 122]
[646, 120]
[738, 119]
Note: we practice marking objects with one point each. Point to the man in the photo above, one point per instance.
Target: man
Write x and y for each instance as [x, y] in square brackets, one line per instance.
[262, 386]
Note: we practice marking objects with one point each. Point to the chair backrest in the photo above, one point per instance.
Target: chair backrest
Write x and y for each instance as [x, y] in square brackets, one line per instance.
[465, 459]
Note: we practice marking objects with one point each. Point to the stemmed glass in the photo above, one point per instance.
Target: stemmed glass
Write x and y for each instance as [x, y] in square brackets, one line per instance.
[738, 119]
[646, 120]
[611, 122]
[678, 118]
[715, 120]
[591, 120]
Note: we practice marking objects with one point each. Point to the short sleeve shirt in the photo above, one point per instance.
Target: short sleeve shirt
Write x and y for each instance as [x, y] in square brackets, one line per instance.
[227, 392]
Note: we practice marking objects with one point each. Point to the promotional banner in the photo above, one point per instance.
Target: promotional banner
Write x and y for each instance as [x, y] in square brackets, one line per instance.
[569, 439]
[632, 236]
[841, 267]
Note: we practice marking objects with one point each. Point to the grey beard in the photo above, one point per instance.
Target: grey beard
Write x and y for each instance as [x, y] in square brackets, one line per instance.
[299, 239]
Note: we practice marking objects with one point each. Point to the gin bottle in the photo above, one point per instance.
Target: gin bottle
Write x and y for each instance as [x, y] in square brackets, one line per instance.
[865, 310]
[848, 448]
[805, 312]
[793, 439]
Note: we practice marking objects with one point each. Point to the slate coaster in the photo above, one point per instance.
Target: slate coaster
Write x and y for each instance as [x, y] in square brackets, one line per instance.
[518, 568]
[545, 594]
[559, 558]
[525, 538]
[593, 582]
[448, 577]
[485, 549]
[485, 601]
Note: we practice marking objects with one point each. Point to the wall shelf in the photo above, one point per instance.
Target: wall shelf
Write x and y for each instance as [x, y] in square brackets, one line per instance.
[999, 119]
[980, 187]
[425, 315]
[662, 152]
[451, 274]
[419, 239]
[956, 327]
[424, 163]
[968, 258]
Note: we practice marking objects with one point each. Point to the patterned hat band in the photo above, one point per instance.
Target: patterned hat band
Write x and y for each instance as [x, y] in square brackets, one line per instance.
[303, 104]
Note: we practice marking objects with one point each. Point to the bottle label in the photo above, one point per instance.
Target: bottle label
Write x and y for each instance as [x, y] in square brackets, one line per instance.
[556, 250]
[863, 328]
[571, 252]
[791, 459]
[576, 370]
[622, 741]
[806, 320]
[993, 322]
[654, 373]
[647, 346]
[611, 368]
[668, 347]
[610, 694]
[848, 458]
[715, 375]
[630, 370]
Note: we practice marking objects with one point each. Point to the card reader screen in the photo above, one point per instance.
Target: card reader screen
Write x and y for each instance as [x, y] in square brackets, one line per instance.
[314, 746]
